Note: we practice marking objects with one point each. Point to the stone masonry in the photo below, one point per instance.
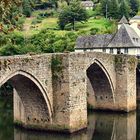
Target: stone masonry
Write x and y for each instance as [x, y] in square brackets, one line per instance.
[51, 91]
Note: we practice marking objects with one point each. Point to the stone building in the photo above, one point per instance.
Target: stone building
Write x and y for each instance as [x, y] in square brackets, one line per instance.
[87, 4]
[125, 41]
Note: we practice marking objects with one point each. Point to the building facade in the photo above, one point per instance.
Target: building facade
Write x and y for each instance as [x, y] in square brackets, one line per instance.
[124, 41]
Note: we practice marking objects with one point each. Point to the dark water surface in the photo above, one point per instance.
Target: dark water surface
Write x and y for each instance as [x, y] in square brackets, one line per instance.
[101, 126]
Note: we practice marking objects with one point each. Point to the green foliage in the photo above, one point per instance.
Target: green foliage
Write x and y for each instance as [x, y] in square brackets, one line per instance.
[90, 13]
[36, 21]
[114, 9]
[6, 89]
[46, 41]
[10, 49]
[93, 31]
[27, 8]
[124, 9]
[71, 14]
[48, 13]
[117, 8]
[56, 66]
[134, 5]
[50, 39]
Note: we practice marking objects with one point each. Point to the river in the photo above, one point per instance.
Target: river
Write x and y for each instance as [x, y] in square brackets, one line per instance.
[101, 126]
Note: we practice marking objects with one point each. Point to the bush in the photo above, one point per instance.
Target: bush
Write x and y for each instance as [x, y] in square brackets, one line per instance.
[46, 14]
[46, 41]
[90, 13]
[10, 49]
[94, 31]
[43, 5]
[36, 21]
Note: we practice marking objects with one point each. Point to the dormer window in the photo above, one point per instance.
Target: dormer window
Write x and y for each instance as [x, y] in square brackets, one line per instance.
[133, 39]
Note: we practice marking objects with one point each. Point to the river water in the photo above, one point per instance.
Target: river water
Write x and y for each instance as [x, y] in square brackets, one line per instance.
[101, 126]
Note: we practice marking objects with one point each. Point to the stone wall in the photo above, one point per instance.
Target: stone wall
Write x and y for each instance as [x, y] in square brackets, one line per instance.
[44, 80]
[70, 108]
[125, 93]
[52, 90]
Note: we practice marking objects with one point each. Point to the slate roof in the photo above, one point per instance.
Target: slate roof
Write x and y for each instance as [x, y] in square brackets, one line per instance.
[124, 37]
[93, 41]
[123, 20]
[136, 17]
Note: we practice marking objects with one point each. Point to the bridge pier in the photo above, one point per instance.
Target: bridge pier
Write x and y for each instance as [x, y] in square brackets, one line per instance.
[125, 94]
[70, 104]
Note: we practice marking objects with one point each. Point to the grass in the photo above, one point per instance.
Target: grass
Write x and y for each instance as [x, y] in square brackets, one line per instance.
[104, 25]
[34, 29]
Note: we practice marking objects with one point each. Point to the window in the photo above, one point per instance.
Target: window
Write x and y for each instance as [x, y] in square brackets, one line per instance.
[85, 50]
[104, 50]
[111, 50]
[118, 51]
[126, 50]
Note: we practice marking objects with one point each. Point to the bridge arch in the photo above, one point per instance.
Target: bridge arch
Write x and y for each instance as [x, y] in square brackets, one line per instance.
[100, 87]
[32, 95]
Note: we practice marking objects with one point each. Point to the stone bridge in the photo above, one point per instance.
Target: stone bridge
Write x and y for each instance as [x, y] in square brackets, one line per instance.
[51, 91]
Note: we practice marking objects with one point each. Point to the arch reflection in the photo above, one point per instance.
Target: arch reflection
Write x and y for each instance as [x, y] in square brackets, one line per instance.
[101, 126]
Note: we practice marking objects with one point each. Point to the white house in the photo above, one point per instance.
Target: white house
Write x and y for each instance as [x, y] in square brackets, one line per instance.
[125, 41]
[87, 4]
[135, 24]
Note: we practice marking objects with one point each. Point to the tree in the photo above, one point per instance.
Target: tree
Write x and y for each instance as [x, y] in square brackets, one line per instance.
[27, 7]
[9, 14]
[134, 5]
[72, 13]
[105, 4]
[124, 9]
[11, 11]
[6, 5]
[117, 8]
[114, 9]
[54, 3]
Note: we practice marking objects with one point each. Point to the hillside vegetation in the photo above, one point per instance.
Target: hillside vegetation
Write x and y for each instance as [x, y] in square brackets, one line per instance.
[35, 26]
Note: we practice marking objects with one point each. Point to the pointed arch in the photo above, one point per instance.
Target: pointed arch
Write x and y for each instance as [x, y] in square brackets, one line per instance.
[99, 87]
[36, 82]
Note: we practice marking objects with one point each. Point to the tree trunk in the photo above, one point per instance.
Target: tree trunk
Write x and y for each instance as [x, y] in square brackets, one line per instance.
[73, 25]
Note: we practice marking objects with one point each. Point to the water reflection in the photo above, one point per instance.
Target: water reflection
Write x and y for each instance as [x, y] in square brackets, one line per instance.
[6, 119]
[101, 127]
[113, 127]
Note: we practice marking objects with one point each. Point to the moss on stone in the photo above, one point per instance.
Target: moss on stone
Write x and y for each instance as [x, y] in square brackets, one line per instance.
[120, 62]
[89, 106]
[17, 122]
[56, 66]
[132, 63]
